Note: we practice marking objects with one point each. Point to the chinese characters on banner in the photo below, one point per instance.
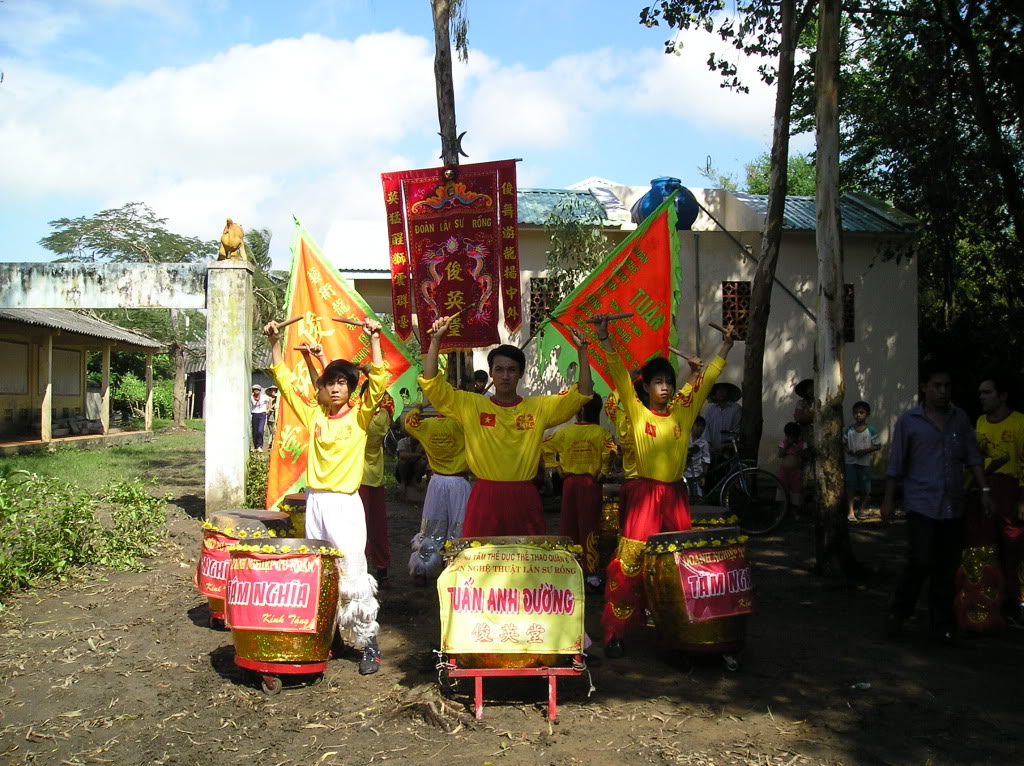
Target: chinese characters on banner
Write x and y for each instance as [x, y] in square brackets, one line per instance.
[317, 292]
[454, 247]
[716, 583]
[640, 276]
[279, 594]
[511, 599]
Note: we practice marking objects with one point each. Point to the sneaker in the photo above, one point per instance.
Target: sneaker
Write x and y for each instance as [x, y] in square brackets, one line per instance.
[370, 663]
[615, 649]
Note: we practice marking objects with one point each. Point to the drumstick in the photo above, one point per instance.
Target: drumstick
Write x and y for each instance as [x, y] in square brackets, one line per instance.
[679, 353]
[718, 327]
[353, 322]
[463, 311]
[287, 322]
[609, 317]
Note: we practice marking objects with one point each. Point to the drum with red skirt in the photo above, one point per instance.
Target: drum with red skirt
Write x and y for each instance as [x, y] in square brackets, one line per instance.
[223, 529]
[698, 590]
[282, 606]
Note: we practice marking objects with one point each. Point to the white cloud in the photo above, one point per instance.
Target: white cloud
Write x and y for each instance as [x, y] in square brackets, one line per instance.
[27, 26]
[305, 126]
[682, 85]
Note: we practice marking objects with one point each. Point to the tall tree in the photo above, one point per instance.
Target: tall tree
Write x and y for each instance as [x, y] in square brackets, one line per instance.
[269, 286]
[922, 83]
[834, 554]
[134, 234]
[764, 28]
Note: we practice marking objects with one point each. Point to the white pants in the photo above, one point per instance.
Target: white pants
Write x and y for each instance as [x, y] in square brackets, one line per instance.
[444, 510]
[339, 519]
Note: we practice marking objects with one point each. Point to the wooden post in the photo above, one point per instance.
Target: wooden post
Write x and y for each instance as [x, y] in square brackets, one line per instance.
[46, 378]
[105, 391]
[149, 391]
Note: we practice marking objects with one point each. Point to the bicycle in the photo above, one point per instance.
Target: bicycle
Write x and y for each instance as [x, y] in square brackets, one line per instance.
[755, 496]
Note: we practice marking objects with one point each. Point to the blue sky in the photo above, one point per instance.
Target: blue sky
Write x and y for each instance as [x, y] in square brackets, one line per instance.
[258, 110]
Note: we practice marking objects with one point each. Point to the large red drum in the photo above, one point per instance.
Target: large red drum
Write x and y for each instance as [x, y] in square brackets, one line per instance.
[282, 603]
[698, 589]
[228, 528]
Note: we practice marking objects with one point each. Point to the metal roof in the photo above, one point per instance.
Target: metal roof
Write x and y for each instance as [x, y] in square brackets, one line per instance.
[860, 213]
[195, 358]
[80, 324]
[535, 205]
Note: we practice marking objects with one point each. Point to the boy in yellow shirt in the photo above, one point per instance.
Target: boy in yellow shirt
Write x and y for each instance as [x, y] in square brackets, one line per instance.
[583, 450]
[334, 469]
[657, 500]
[503, 436]
[444, 506]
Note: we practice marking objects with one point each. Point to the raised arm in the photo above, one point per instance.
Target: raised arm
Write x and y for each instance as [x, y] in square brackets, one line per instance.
[273, 334]
[586, 382]
[372, 328]
[437, 330]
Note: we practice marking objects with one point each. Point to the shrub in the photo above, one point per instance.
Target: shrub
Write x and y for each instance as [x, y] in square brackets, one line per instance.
[256, 479]
[48, 527]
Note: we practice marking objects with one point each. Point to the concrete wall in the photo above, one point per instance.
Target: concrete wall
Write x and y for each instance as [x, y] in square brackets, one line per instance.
[19, 413]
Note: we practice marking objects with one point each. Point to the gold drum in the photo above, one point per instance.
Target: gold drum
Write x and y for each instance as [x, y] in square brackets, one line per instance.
[499, 660]
[272, 646]
[295, 506]
[667, 603]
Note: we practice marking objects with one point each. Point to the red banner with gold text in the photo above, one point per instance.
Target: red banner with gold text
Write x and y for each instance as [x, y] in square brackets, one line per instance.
[453, 245]
[278, 594]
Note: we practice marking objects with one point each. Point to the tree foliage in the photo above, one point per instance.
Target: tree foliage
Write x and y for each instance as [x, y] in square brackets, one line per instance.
[577, 246]
[932, 121]
[799, 179]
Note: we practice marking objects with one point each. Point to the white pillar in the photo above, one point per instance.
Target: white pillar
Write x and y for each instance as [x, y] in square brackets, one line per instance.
[45, 377]
[228, 377]
[105, 391]
[149, 391]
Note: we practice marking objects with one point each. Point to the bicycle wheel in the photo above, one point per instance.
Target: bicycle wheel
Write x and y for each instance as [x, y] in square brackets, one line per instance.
[757, 498]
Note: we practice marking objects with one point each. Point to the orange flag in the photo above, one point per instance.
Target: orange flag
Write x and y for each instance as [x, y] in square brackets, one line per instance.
[317, 292]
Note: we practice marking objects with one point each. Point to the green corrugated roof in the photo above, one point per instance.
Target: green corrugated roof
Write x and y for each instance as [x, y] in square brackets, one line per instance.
[860, 213]
[535, 205]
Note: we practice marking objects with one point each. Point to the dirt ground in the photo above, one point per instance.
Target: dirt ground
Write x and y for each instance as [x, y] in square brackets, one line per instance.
[121, 668]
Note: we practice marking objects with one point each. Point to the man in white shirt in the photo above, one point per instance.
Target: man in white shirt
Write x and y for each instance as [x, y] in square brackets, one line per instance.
[259, 403]
[722, 413]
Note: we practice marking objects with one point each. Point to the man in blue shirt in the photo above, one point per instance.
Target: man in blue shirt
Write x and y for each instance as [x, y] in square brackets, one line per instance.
[931, 444]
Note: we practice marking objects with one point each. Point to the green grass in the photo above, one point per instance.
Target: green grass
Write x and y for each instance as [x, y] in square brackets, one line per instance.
[174, 458]
[159, 424]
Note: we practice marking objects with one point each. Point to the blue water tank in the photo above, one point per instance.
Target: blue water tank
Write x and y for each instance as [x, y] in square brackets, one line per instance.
[686, 206]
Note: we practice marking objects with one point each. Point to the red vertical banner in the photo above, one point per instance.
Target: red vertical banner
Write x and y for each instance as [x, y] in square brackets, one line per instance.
[452, 233]
[398, 257]
[511, 289]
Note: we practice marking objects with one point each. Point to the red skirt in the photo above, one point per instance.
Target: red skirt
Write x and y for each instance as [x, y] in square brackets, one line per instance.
[503, 508]
[655, 506]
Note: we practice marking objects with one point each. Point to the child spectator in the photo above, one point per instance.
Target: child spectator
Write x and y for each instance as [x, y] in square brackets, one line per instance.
[860, 441]
[791, 454]
[698, 458]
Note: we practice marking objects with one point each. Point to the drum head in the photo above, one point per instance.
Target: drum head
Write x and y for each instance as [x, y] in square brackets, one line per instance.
[251, 520]
[696, 538]
[297, 498]
[702, 516]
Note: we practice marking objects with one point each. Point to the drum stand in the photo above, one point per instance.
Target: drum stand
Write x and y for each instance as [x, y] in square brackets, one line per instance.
[270, 672]
[478, 674]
